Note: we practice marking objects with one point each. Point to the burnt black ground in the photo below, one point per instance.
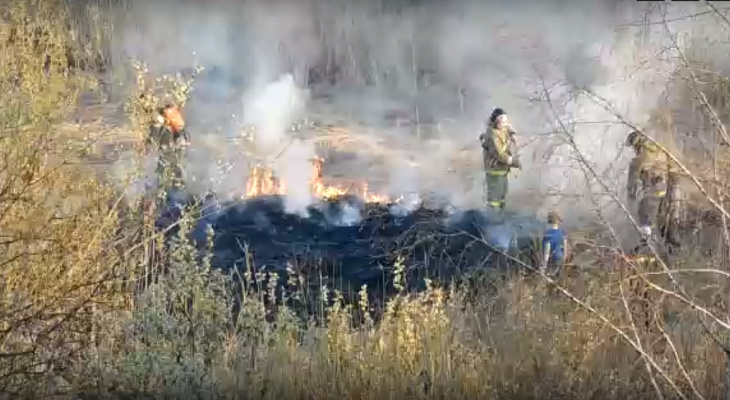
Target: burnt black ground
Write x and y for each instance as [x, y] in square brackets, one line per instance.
[348, 243]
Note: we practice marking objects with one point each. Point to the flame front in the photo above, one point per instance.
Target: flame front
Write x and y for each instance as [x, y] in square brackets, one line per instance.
[262, 182]
[319, 189]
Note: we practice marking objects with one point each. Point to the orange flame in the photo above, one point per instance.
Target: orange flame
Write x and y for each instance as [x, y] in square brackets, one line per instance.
[319, 189]
[263, 182]
[373, 197]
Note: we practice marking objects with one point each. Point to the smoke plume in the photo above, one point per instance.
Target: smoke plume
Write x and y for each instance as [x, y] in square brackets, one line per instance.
[414, 82]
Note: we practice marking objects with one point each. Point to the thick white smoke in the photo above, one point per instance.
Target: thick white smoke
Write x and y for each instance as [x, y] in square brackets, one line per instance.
[272, 111]
[440, 66]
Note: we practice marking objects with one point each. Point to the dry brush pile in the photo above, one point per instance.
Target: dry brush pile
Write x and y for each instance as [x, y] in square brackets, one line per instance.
[91, 304]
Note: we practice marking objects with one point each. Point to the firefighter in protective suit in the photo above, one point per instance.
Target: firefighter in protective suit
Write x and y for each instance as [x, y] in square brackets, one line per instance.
[653, 182]
[498, 149]
[169, 133]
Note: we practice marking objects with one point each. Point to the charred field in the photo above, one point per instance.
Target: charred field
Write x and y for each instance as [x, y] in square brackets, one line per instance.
[346, 242]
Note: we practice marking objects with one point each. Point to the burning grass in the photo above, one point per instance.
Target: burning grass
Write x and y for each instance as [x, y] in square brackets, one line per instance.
[263, 182]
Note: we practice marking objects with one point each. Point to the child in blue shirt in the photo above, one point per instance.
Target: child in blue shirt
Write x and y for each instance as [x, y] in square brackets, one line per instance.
[554, 244]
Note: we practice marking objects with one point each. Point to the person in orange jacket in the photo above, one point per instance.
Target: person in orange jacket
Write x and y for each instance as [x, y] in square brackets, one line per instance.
[169, 132]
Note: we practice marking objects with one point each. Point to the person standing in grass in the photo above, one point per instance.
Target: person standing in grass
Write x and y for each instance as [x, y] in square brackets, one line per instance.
[499, 154]
[652, 179]
[168, 131]
[554, 245]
